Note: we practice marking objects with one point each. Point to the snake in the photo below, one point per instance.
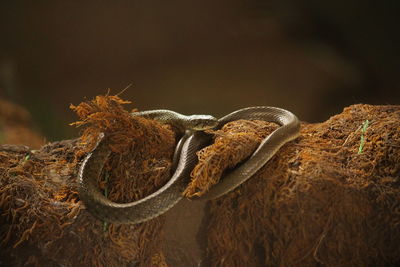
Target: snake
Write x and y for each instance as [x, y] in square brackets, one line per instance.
[193, 139]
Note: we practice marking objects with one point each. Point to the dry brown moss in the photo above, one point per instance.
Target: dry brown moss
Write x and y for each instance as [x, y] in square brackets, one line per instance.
[43, 220]
[232, 144]
[318, 201]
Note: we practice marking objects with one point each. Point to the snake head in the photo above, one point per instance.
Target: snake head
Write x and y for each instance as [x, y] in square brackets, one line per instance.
[202, 122]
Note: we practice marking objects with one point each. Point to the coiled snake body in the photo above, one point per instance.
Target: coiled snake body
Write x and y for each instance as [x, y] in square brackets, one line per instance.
[193, 140]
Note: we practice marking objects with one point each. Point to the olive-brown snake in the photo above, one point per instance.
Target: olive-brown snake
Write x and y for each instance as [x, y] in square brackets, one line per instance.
[167, 196]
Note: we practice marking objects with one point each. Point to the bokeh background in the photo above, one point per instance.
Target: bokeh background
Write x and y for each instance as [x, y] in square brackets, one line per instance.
[311, 57]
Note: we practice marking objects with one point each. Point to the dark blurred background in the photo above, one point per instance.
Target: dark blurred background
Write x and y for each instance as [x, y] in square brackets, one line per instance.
[311, 57]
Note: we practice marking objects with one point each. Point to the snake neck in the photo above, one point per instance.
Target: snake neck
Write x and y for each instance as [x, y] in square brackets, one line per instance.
[180, 121]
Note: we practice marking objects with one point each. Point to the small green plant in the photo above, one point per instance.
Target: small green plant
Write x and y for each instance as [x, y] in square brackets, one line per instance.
[27, 157]
[362, 138]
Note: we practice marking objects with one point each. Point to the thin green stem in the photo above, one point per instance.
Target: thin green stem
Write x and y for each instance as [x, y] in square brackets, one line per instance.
[362, 138]
[27, 157]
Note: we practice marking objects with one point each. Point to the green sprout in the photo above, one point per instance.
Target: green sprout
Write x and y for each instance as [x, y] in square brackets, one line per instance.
[27, 157]
[362, 138]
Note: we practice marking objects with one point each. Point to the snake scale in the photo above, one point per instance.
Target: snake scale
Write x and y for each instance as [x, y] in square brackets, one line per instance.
[193, 140]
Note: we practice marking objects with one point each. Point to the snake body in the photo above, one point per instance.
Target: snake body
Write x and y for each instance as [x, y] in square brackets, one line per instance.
[289, 130]
[193, 140]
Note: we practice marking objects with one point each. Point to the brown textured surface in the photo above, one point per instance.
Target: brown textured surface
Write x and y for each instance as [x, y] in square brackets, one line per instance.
[232, 144]
[317, 201]
[42, 219]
